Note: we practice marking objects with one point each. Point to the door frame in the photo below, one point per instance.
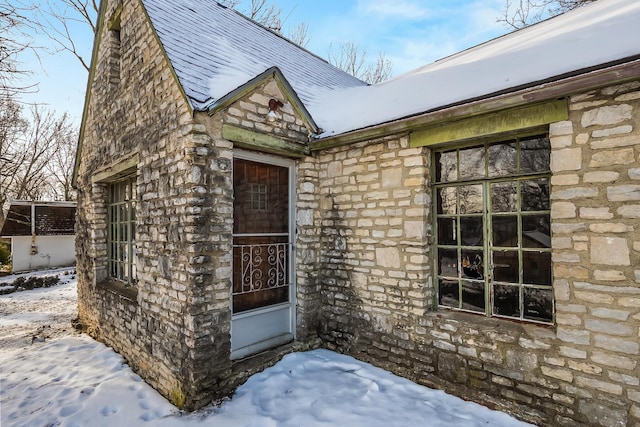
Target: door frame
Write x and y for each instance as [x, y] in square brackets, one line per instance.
[290, 164]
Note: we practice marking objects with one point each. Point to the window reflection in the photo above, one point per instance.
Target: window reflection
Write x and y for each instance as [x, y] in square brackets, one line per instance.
[538, 304]
[504, 197]
[536, 231]
[535, 195]
[471, 200]
[472, 163]
[447, 198]
[503, 159]
[446, 166]
[534, 155]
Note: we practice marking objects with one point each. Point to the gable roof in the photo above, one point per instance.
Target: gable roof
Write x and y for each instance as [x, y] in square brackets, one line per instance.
[214, 50]
[51, 218]
[595, 36]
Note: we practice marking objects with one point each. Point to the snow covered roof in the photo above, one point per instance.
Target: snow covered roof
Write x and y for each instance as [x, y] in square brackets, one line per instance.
[600, 33]
[214, 50]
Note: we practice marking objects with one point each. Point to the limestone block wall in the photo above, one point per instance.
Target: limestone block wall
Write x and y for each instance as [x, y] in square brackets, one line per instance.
[173, 324]
[596, 247]
[251, 111]
[374, 267]
[377, 288]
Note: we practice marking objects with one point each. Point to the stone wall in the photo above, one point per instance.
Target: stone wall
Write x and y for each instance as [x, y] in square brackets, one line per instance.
[176, 321]
[377, 286]
[364, 255]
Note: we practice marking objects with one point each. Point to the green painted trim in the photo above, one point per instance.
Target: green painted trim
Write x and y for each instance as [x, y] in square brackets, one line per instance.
[117, 170]
[486, 125]
[114, 22]
[248, 139]
[87, 98]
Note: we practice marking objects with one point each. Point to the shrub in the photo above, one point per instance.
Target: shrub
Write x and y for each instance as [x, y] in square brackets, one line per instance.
[5, 254]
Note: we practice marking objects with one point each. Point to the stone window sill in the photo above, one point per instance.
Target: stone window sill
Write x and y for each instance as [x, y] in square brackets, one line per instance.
[126, 292]
[482, 322]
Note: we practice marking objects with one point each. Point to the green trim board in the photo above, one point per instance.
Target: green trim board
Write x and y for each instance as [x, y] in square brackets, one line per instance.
[248, 139]
[87, 98]
[496, 123]
[117, 170]
[114, 22]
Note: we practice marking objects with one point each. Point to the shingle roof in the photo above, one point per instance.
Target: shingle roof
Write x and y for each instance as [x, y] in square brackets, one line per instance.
[214, 50]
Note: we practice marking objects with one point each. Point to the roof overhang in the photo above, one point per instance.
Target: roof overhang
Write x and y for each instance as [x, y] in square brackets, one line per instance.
[251, 85]
[555, 88]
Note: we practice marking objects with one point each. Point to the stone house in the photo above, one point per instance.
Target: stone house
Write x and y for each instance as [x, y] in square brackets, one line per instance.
[41, 234]
[472, 225]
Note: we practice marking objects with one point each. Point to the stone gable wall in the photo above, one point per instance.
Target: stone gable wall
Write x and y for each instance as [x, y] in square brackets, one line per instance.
[162, 330]
[250, 112]
[377, 286]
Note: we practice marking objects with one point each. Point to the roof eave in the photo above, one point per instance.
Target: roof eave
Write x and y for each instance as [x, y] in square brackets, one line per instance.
[608, 74]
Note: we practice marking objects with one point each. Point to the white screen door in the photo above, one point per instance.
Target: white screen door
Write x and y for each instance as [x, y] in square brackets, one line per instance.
[263, 298]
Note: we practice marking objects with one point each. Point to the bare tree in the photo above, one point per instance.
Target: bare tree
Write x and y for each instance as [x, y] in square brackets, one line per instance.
[14, 40]
[12, 125]
[36, 156]
[299, 34]
[60, 165]
[521, 13]
[353, 60]
[54, 19]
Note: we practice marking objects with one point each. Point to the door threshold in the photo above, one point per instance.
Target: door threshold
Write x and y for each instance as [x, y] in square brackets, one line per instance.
[261, 346]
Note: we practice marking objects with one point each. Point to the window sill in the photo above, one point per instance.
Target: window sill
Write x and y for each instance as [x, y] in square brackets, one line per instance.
[116, 287]
[482, 322]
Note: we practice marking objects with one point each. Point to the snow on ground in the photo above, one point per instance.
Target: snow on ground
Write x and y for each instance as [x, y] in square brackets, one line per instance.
[38, 314]
[63, 378]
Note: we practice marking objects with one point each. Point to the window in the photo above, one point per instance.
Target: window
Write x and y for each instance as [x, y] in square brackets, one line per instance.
[258, 194]
[493, 229]
[122, 219]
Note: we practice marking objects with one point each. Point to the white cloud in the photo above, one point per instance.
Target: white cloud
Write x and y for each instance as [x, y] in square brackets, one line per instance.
[403, 9]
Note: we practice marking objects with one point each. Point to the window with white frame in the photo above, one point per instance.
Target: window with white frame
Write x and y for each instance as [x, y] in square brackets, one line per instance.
[493, 252]
[122, 218]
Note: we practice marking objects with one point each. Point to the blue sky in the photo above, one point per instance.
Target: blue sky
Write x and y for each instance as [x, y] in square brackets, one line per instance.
[409, 32]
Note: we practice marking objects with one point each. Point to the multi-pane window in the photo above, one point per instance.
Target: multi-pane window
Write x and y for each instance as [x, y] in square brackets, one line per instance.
[122, 218]
[493, 229]
[258, 195]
